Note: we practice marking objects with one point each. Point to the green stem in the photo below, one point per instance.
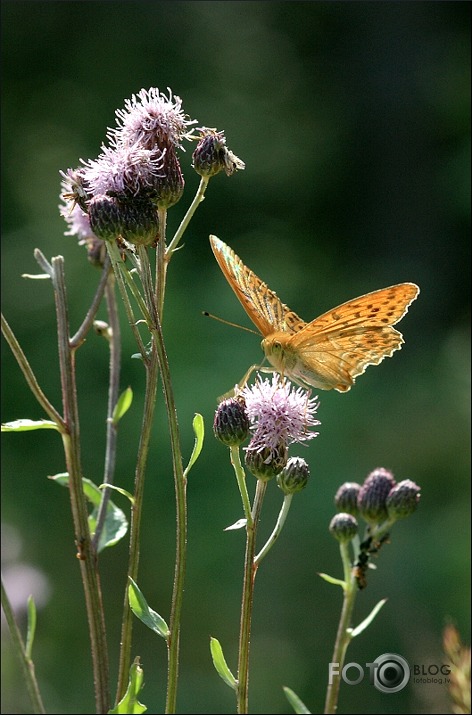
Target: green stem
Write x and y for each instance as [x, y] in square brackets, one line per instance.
[199, 196]
[277, 529]
[250, 570]
[241, 479]
[343, 636]
[26, 662]
[71, 441]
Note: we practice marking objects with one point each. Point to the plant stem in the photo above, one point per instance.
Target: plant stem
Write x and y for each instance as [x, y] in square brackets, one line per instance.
[26, 662]
[80, 335]
[113, 393]
[241, 479]
[198, 198]
[343, 636]
[71, 442]
[277, 529]
[250, 570]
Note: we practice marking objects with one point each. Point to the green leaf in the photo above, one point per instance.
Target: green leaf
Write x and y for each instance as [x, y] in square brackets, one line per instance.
[199, 430]
[119, 490]
[31, 609]
[295, 702]
[367, 621]
[130, 704]
[220, 664]
[116, 523]
[26, 425]
[122, 405]
[331, 579]
[145, 614]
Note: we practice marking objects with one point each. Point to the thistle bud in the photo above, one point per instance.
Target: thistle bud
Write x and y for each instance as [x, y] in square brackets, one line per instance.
[403, 499]
[266, 463]
[169, 185]
[343, 527]
[231, 423]
[139, 221]
[346, 498]
[105, 217]
[294, 476]
[372, 498]
[212, 155]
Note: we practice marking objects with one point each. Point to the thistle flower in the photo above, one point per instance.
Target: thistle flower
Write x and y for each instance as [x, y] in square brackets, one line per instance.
[231, 424]
[150, 119]
[279, 414]
[212, 155]
[266, 463]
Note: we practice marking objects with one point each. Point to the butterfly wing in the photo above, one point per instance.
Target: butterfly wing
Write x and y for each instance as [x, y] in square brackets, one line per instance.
[262, 305]
[332, 350]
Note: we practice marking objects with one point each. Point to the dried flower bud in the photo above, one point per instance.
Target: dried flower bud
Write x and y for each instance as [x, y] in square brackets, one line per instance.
[294, 476]
[403, 499]
[231, 423]
[343, 527]
[267, 462]
[372, 499]
[212, 155]
[346, 498]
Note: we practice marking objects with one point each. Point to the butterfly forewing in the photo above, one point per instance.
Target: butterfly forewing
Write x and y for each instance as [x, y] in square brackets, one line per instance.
[262, 305]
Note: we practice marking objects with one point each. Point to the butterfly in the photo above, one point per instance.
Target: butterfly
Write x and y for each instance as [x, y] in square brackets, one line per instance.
[332, 350]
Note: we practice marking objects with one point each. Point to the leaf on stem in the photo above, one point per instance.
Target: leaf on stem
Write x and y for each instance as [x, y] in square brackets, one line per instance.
[295, 702]
[130, 705]
[141, 610]
[120, 490]
[367, 621]
[25, 425]
[122, 405]
[239, 524]
[331, 579]
[220, 664]
[31, 630]
[116, 523]
[199, 430]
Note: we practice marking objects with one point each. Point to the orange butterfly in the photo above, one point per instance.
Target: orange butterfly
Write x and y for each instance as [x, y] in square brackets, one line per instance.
[332, 350]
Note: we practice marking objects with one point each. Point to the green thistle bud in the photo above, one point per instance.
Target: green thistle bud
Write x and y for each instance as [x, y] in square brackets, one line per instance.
[372, 499]
[169, 185]
[266, 463]
[343, 527]
[231, 423]
[294, 476]
[212, 155]
[139, 221]
[346, 498]
[403, 499]
[105, 217]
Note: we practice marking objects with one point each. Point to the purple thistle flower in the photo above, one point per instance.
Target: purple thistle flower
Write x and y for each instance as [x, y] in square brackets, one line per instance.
[149, 119]
[279, 414]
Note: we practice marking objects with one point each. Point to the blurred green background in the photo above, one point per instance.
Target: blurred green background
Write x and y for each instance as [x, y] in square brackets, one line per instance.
[353, 121]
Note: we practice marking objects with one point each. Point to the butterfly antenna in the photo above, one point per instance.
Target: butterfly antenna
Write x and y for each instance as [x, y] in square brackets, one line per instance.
[227, 322]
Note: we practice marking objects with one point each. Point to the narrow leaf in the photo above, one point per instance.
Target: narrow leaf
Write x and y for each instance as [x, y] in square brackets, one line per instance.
[130, 704]
[239, 524]
[119, 490]
[31, 609]
[36, 276]
[199, 430]
[122, 405]
[141, 610]
[331, 579]
[25, 425]
[295, 702]
[220, 664]
[367, 621]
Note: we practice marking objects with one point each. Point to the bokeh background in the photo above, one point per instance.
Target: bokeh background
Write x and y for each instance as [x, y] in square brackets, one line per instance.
[353, 121]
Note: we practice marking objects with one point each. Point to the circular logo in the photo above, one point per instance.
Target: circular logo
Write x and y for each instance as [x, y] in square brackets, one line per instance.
[392, 673]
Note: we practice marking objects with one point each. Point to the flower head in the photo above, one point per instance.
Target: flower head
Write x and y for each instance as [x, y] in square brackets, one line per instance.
[279, 414]
[151, 119]
[212, 155]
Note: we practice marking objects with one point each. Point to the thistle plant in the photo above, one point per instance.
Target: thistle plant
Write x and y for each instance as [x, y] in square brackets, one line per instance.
[116, 206]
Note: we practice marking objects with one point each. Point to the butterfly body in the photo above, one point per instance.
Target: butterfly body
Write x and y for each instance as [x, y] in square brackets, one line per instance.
[330, 351]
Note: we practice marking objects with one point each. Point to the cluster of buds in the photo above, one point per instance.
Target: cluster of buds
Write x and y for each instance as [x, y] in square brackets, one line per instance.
[118, 195]
[379, 501]
[274, 416]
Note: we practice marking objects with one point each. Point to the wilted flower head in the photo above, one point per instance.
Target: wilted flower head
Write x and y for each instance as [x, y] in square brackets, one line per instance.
[150, 119]
[212, 155]
[279, 414]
